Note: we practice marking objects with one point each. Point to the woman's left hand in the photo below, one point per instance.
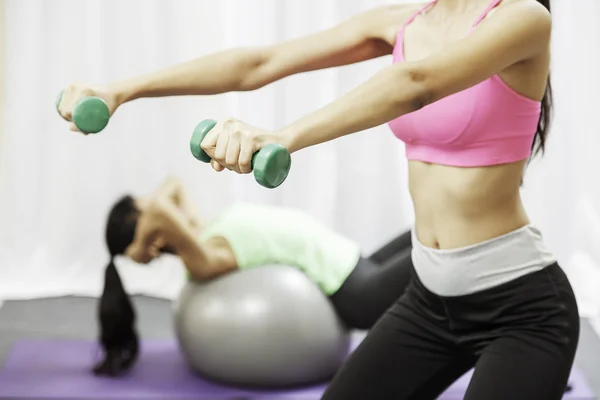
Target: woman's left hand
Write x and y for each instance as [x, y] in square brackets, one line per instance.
[147, 240]
[140, 253]
[231, 144]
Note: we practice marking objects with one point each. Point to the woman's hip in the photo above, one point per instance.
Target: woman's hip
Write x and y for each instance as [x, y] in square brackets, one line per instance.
[487, 264]
[540, 303]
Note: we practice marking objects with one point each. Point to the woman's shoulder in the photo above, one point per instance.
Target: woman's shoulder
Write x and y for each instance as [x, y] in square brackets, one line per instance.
[388, 19]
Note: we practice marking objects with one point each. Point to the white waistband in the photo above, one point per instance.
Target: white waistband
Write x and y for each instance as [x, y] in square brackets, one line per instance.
[470, 269]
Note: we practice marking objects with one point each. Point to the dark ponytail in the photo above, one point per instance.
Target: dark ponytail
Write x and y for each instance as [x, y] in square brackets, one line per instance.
[116, 316]
[543, 128]
[118, 337]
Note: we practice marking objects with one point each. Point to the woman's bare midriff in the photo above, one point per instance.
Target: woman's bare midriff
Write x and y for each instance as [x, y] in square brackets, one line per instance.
[457, 207]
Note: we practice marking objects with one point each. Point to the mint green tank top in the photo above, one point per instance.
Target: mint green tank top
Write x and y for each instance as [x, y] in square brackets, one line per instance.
[261, 235]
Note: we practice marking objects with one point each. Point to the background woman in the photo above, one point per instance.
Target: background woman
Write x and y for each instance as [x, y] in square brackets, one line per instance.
[243, 236]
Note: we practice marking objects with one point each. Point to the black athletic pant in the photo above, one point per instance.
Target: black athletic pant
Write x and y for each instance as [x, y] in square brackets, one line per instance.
[520, 336]
[375, 284]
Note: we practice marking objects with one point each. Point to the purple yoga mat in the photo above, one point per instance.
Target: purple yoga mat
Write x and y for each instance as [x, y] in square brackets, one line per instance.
[60, 370]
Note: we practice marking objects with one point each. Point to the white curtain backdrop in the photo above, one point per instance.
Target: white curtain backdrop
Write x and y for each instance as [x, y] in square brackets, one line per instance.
[58, 186]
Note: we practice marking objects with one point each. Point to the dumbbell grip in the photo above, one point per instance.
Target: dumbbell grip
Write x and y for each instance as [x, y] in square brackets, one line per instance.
[90, 114]
[270, 165]
[198, 136]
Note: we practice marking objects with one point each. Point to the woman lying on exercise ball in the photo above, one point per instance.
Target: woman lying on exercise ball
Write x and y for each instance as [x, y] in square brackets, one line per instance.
[245, 236]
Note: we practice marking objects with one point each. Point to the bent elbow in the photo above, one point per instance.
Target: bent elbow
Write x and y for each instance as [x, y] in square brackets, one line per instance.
[252, 82]
[415, 87]
[199, 272]
[256, 70]
[199, 267]
[207, 267]
[420, 100]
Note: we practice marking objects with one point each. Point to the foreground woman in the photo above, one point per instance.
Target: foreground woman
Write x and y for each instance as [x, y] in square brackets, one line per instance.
[469, 94]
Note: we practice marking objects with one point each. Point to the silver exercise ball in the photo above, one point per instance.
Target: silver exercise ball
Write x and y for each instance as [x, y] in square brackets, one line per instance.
[267, 327]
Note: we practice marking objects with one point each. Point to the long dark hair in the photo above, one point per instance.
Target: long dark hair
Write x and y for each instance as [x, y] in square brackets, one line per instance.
[117, 337]
[543, 128]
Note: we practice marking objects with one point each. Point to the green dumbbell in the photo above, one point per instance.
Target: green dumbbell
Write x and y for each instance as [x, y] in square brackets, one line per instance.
[90, 114]
[270, 165]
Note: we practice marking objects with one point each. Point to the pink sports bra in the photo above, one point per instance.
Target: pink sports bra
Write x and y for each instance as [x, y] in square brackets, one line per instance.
[487, 124]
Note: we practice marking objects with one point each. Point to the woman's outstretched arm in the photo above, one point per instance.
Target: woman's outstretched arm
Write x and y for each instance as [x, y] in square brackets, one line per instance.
[249, 68]
[518, 32]
[242, 69]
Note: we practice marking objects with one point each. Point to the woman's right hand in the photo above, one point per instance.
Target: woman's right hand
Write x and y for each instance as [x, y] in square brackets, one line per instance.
[76, 91]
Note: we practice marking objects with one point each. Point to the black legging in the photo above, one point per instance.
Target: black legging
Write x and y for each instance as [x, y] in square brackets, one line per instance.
[375, 284]
[521, 336]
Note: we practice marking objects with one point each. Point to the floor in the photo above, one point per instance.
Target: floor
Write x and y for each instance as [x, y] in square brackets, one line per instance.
[73, 317]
